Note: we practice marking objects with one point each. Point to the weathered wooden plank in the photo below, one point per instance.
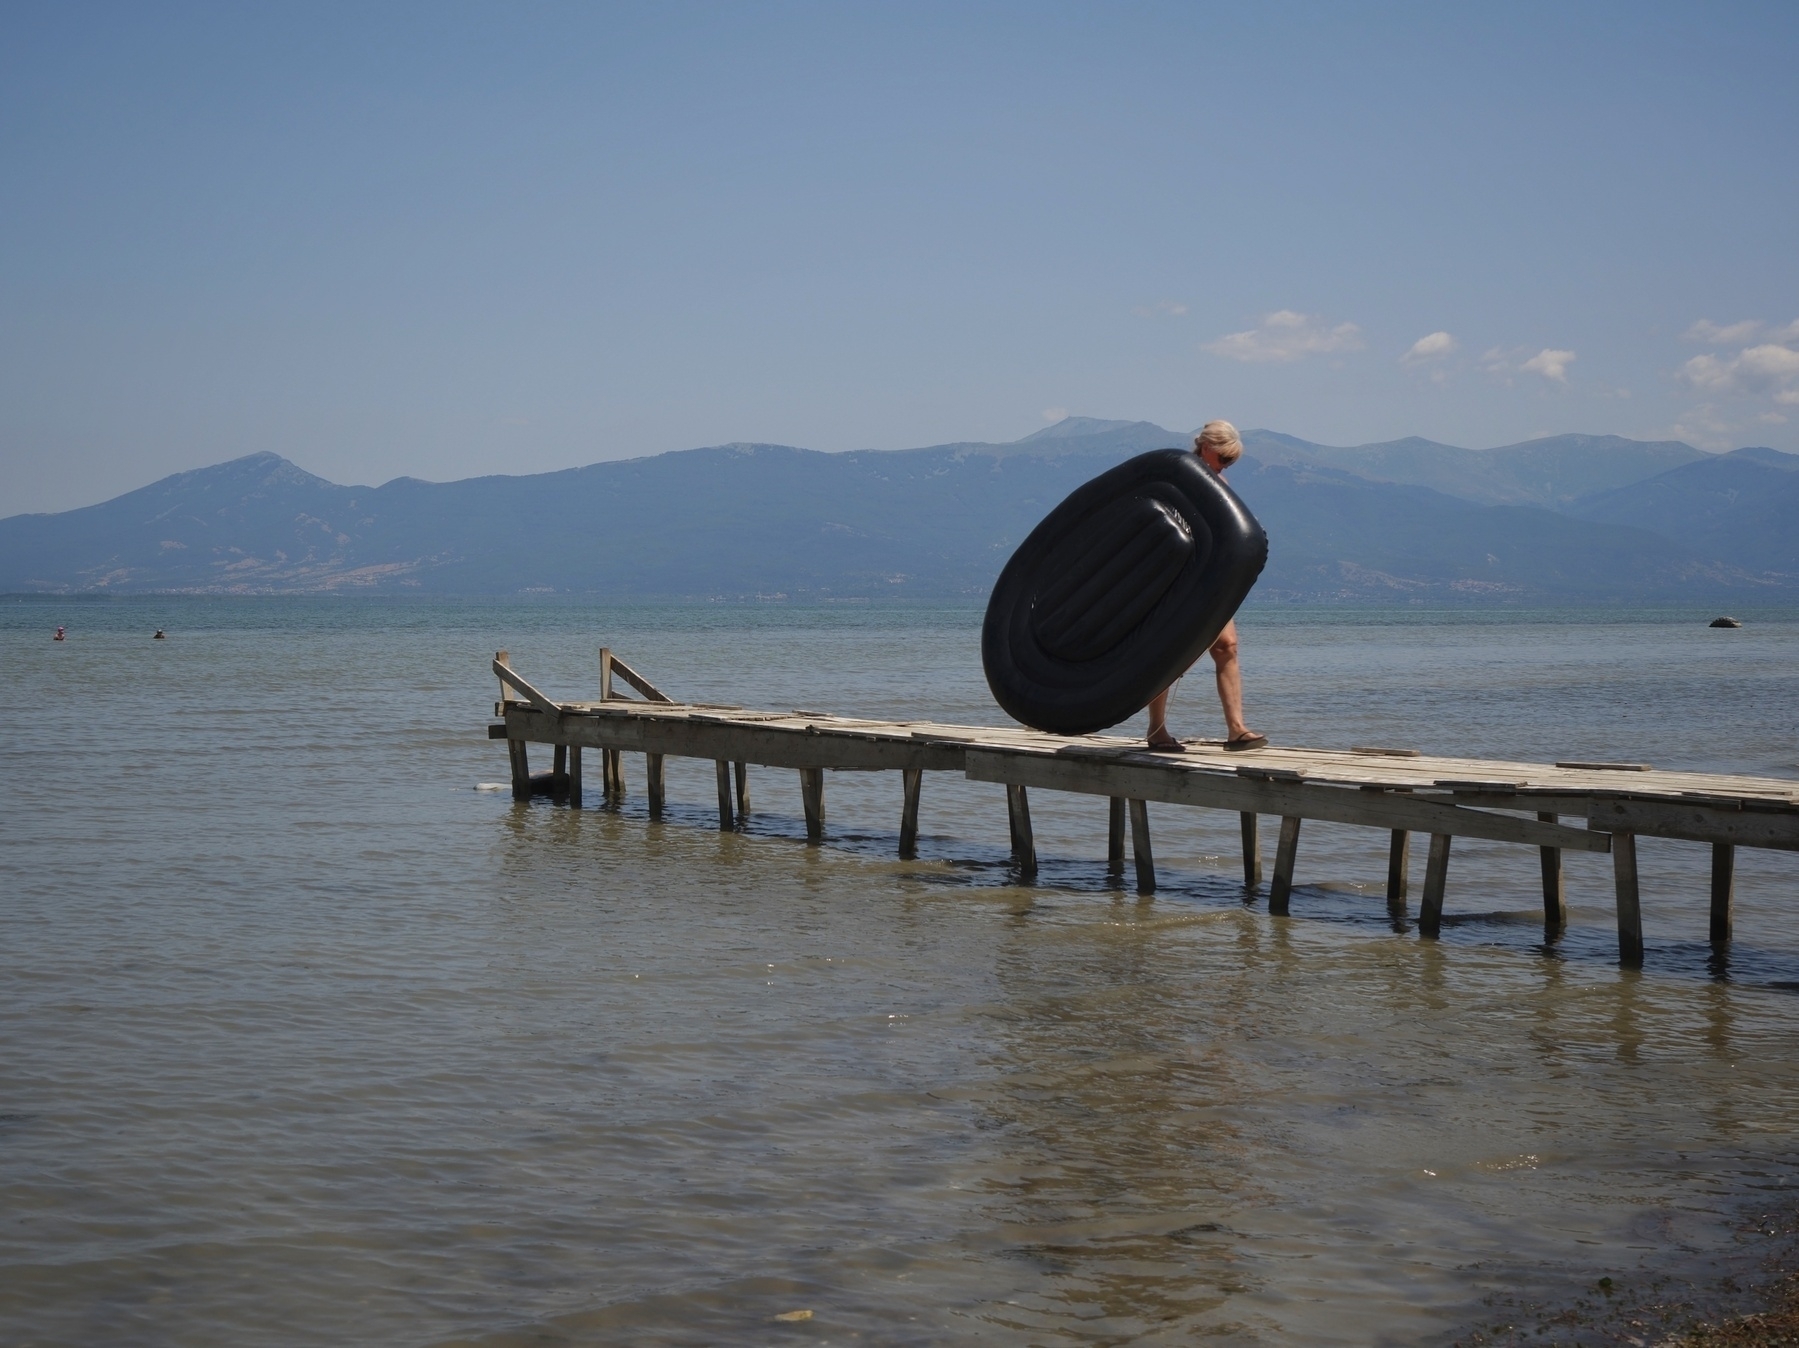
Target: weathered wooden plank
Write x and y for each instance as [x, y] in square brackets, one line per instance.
[1630, 910]
[771, 747]
[1389, 810]
[725, 819]
[1024, 842]
[908, 839]
[1115, 835]
[637, 681]
[1699, 823]
[1399, 865]
[655, 783]
[1724, 860]
[605, 674]
[613, 763]
[521, 769]
[1555, 896]
[538, 700]
[741, 771]
[1252, 849]
[1140, 848]
[812, 797]
[574, 776]
[1286, 852]
[1436, 881]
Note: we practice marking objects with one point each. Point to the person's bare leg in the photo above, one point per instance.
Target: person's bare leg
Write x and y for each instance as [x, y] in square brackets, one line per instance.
[1230, 682]
[1158, 717]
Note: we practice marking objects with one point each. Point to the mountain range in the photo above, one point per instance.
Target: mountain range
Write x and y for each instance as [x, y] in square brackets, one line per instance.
[1566, 518]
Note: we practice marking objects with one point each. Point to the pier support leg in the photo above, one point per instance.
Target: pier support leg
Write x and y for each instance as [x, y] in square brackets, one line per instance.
[521, 769]
[914, 780]
[1252, 852]
[1724, 865]
[1140, 851]
[574, 776]
[725, 819]
[1399, 863]
[1286, 851]
[613, 764]
[812, 794]
[1630, 913]
[1436, 880]
[1024, 844]
[655, 782]
[559, 771]
[1115, 835]
[1555, 894]
[742, 774]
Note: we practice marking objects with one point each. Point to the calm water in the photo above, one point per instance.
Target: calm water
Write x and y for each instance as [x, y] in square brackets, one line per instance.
[306, 1040]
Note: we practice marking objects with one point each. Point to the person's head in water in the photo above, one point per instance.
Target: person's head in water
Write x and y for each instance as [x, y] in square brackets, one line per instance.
[1218, 445]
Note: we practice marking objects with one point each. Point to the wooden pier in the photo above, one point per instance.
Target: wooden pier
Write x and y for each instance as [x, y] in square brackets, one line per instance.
[1398, 790]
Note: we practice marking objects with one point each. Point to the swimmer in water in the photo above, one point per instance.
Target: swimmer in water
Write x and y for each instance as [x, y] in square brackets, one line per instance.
[58, 636]
[159, 636]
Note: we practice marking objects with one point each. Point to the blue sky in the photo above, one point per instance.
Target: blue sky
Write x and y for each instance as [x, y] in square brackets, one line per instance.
[445, 240]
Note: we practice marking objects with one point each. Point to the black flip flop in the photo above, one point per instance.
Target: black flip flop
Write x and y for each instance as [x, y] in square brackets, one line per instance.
[1247, 742]
[1172, 747]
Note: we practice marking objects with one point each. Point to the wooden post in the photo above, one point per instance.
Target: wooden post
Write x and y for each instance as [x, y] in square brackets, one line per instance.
[1024, 845]
[908, 845]
[1252, 851]
[742, 772]
[605, 674]
[1724, 865]
[1399, 863]
[812, 795]
[506, 693]
[655, 783]
[725, 821]
[1555, 894]
[1630, 913]
[521, 769]
[1140, 851]
[1115, 835]
[1280, 889]
[559, 771]
[613, 763]
[1436, 879]
[574, 776]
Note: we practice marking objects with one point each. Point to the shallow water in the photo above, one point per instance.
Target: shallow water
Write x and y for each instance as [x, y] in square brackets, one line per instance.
[303, 1039]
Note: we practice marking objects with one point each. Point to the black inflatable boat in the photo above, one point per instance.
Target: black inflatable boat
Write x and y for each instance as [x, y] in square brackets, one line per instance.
[1117, 591]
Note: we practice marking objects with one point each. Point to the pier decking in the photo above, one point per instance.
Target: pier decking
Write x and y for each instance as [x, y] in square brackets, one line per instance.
[1398, 790]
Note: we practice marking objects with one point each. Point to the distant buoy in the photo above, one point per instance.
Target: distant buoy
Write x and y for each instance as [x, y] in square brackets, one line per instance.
[1724, 622]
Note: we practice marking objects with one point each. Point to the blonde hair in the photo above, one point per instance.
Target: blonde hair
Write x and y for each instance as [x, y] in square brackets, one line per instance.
[1222, 439]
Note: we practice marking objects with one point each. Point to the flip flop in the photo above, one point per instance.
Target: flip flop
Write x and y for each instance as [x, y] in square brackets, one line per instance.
[1169, 747]
[1245, 742]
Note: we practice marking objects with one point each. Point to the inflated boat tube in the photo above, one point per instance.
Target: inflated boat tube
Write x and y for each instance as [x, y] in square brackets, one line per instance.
[1121, 588]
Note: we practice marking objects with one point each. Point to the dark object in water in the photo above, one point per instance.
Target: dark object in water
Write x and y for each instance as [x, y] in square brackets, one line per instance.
[1724, 622]
[1117, 591]
[159, 636]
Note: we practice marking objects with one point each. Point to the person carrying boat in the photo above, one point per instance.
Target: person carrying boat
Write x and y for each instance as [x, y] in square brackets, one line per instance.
[1218, 446]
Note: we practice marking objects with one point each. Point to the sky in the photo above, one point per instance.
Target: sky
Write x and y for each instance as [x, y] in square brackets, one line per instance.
[444, 240]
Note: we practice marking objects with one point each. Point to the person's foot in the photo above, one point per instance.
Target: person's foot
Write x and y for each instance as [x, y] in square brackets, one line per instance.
[1167, 745]
[1245, 739]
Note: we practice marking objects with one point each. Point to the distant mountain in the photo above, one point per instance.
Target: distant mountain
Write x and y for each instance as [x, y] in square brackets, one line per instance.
[1743, 506]
[1553, 472]
[744, 520]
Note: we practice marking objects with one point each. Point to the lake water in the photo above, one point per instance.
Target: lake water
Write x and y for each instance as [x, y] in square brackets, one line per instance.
[306, 1040]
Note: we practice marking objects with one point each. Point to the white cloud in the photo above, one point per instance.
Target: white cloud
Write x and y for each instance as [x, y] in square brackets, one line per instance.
[1054, 414]
[1286, 336]
[1725, 334]
[1160, 309]
[1551, 364]
[1768, 368]
[1435, 346]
